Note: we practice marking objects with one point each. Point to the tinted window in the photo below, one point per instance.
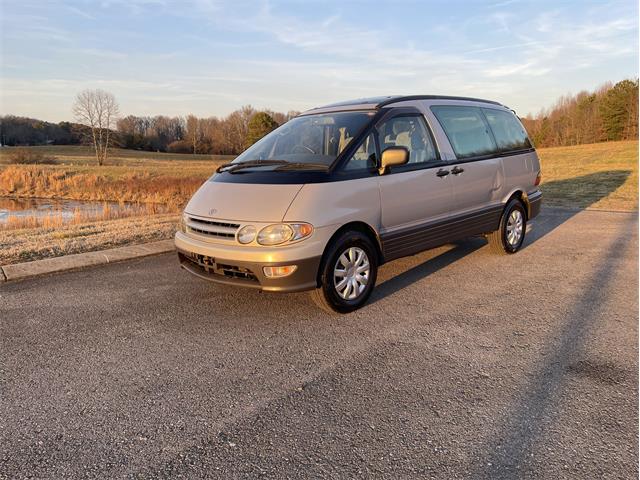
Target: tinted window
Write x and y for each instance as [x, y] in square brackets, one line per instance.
[365, 156]
[409, 132]
[466, 130]
[507, 130]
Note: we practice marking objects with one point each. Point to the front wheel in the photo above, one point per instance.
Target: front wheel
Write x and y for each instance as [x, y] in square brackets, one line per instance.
[347, 274]
[513, 225]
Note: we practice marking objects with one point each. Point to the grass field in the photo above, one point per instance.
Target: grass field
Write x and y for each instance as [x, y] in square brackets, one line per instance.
[84, 155]
[128, 176]
[602, 176]
[598, 176]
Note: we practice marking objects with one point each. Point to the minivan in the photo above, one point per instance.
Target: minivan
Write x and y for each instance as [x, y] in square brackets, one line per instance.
[325, 199]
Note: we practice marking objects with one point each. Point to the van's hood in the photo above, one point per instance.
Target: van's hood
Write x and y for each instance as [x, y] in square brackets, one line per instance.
[245, 202]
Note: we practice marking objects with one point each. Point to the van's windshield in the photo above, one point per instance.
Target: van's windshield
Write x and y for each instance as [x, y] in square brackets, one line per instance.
[307, 142]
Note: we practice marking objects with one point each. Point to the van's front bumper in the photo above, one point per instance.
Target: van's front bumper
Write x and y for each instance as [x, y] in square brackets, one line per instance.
[244, 266]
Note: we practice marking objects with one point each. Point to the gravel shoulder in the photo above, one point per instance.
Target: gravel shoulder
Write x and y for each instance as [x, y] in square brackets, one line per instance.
[464, 365]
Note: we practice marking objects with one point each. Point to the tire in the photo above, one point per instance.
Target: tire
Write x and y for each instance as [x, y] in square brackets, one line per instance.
[509, 237]
[343, 259]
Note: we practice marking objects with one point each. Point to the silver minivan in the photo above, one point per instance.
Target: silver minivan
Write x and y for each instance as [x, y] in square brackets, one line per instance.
[325, 199]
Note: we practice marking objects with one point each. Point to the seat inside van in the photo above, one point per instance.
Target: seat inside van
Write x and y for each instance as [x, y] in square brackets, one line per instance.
[409, 133]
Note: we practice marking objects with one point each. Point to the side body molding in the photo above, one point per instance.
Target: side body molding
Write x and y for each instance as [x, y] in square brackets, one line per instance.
[401, 243]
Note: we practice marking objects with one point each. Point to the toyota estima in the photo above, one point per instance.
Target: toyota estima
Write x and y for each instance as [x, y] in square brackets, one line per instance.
[321, 202]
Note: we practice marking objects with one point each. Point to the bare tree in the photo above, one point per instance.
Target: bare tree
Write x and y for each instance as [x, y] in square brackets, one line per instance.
[194, 132]
[98, 110]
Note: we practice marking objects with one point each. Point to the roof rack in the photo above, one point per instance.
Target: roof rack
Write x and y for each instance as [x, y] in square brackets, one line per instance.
[432, 97]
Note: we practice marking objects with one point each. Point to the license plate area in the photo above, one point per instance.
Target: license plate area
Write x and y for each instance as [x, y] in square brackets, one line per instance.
[206, 262]
[210, 266]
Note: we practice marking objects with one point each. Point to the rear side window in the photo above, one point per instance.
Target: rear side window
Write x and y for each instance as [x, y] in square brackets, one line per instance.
[507, 130]
[466, 130]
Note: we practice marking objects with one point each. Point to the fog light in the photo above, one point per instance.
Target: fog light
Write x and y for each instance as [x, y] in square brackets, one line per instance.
[272, 272]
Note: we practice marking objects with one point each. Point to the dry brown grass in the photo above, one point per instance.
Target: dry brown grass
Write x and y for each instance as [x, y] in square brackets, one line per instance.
[601, 176]
[128, 176]
[35, 243]
[161, 182]
[22, 155]
[119, 184]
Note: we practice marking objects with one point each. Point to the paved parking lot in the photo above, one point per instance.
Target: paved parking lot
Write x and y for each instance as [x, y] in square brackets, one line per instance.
[463, 365]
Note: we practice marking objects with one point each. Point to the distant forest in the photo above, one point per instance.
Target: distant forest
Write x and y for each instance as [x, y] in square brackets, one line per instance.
[222, 136]
[608, 113]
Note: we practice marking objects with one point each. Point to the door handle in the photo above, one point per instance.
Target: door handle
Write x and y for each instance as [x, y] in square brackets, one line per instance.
[442, 173]
[457, 170]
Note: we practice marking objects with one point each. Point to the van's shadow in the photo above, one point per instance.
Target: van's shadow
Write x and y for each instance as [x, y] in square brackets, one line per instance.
[426, 268]
[585, 189]
[576, 194]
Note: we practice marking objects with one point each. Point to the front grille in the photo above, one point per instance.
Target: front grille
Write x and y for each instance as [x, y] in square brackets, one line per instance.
[212, 228]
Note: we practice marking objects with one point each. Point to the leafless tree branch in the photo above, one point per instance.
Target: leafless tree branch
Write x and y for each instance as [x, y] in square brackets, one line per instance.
[98, 110]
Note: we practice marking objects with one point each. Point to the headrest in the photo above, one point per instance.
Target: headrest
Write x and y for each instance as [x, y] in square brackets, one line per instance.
[400, 126]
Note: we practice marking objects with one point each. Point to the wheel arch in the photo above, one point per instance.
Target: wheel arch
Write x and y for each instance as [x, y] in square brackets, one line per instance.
[522, 196]
[358, 226]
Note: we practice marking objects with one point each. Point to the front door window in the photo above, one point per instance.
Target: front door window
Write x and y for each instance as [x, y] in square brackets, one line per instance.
[409, 132]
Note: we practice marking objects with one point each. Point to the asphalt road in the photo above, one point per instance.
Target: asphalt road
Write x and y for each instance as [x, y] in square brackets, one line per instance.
[464, 365]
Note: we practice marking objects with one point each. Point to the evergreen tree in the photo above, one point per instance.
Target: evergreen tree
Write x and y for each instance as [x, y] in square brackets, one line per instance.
[260, 124]
[619, 110]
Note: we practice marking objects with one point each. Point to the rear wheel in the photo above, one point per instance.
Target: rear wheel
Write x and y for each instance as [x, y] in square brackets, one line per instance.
[513, 225]
[347, 274]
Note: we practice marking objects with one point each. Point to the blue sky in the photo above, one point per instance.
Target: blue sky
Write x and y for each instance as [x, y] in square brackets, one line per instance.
[209, 57]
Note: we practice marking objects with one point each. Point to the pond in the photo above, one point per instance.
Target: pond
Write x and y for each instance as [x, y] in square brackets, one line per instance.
[23, 208]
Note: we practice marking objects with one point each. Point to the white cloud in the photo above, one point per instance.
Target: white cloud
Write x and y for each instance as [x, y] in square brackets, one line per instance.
[80, 13]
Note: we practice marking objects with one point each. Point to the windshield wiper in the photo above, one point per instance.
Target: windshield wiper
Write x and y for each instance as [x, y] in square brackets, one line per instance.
[232, 167]
[301, 166]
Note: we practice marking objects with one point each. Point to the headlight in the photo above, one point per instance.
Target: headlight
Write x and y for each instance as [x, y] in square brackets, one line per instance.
[275, 234]
[247, 234]
[283, 232]
[182, 223]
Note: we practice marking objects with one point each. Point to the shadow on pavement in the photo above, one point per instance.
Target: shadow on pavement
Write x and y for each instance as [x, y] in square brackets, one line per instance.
[424, 269]
[601, 184]
[509, 449]
[582, 192]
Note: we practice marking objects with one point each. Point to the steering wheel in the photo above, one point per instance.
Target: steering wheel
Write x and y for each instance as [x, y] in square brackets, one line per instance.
[301, 149]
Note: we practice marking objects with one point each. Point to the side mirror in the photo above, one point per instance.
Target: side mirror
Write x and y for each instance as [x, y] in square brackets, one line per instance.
[392, 157]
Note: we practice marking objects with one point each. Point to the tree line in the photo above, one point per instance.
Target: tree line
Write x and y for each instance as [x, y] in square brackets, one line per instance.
[608, 113]
[228, 135]
[23, 131]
